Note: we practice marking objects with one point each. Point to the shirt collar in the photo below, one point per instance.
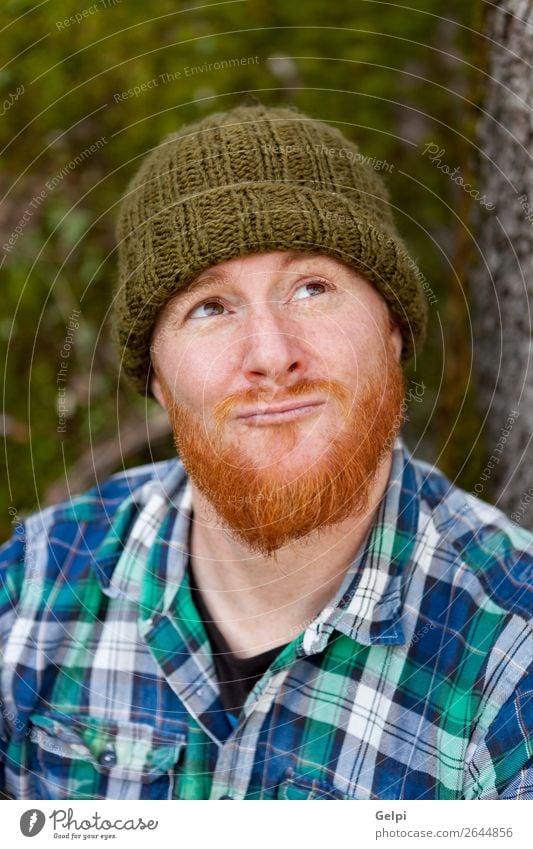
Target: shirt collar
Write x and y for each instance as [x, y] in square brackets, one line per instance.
[153, 524]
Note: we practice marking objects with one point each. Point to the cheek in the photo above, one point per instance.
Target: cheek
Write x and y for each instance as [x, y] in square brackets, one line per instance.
[349, 355]
[339, 347]
[351, 339]
[201, 376]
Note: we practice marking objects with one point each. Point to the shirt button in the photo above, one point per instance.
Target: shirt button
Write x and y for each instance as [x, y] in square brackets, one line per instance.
[108, 757]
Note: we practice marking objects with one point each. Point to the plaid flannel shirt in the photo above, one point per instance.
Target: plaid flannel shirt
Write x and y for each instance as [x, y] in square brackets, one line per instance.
[413, 682]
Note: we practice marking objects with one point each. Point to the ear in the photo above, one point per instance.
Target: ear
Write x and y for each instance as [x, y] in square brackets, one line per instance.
[395, 336]
[157, 391]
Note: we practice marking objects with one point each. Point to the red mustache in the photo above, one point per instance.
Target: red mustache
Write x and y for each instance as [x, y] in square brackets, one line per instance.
[252, 396]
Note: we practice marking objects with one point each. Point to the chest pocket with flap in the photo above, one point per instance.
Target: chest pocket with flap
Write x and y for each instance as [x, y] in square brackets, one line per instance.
[80, 757]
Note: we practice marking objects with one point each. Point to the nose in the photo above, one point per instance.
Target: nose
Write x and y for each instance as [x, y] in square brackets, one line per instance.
[273, 348]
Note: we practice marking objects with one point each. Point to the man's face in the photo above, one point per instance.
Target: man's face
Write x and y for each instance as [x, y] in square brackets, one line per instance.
[255, 336]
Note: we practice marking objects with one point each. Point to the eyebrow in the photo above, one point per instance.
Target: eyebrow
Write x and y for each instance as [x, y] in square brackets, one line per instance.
[209, 279]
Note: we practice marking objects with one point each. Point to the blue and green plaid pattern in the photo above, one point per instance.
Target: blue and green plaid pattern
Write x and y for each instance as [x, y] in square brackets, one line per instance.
[414, 682]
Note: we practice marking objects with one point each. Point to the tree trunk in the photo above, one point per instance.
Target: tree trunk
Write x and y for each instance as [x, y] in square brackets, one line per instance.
[502, 283]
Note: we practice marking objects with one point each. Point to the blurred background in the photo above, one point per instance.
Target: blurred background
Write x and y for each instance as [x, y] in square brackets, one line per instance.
[88, 88]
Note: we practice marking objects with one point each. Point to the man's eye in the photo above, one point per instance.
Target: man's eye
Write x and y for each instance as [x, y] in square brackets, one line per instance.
[311, 284]
[207, 304]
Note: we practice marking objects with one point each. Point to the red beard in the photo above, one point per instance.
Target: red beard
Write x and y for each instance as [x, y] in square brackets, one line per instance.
[266, 508]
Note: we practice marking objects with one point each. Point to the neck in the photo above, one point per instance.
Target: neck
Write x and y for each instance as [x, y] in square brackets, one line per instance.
[260, 602]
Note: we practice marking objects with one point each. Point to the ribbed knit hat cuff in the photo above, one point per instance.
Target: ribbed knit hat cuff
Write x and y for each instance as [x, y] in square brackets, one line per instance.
[270, 216]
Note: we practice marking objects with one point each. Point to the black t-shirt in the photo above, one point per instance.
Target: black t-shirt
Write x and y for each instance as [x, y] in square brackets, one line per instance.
[236, 676]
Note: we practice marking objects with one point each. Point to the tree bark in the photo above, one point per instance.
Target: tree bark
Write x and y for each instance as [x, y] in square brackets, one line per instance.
[502, 282]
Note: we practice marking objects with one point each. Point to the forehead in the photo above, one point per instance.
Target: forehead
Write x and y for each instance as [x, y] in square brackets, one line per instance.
[271, 270]
[263, 265]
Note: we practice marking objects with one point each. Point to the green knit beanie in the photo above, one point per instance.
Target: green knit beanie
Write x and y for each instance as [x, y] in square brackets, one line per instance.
[252, 180]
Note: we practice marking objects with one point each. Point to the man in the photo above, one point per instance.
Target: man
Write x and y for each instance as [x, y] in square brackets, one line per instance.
[295, 608]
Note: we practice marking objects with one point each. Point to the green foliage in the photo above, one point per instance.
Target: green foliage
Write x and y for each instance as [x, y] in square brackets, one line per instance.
[393, 78]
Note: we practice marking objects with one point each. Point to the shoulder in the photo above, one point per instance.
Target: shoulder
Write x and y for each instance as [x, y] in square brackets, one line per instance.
[72, 530]
[478, 540]
[101, 502]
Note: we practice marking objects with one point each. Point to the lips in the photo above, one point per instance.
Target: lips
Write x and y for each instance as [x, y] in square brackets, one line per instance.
[284, 410]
